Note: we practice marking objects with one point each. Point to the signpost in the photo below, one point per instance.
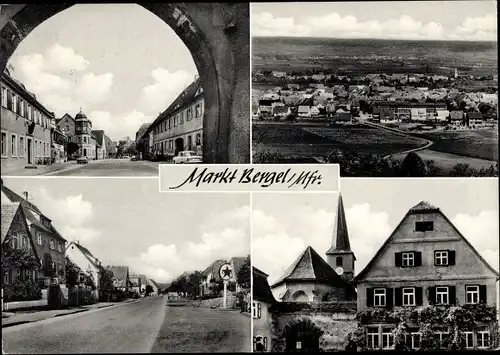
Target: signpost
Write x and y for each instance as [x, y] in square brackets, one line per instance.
[225, 272]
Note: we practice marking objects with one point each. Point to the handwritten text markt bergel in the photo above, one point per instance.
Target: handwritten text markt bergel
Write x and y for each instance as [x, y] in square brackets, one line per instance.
[303, 178]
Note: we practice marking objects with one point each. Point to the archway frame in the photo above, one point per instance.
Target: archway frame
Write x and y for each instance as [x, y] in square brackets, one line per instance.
[218, 37]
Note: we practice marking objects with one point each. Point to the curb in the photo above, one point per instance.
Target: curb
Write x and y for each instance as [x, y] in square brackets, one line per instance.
[15, 323]
[67, 314]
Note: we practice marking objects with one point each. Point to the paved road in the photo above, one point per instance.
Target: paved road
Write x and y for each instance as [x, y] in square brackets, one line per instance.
[125, 328]
[204, 330]
[111, 167]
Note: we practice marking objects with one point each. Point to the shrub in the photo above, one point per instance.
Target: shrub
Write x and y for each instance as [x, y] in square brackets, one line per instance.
[18, 290]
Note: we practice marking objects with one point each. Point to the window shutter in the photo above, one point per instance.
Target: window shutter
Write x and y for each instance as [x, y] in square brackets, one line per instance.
[452, 295]
[482, 293]
[398, 259]
[418, 296]
[418, 258]
[369, 297]
[398, 296]
[389, 295]
[265, 343]
[451, 257]
[432, 295]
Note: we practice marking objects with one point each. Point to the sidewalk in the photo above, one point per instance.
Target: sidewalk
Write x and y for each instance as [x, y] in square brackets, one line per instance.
[45, 169]
[35, 316]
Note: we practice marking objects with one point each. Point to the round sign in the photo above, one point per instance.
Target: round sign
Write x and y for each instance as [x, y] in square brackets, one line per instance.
[226, 271]
[339, 270]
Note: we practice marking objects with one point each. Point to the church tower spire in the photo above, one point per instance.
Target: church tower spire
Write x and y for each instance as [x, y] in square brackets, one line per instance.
[340, 256]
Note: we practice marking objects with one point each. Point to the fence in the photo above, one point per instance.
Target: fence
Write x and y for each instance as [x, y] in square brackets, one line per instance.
[80, 297]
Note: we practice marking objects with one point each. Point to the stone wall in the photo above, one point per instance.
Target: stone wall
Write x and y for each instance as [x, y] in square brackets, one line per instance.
[11, 306]
[335, 326]
[217, 302]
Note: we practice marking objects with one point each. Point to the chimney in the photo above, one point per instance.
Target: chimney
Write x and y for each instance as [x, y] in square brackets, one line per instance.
[25, 193]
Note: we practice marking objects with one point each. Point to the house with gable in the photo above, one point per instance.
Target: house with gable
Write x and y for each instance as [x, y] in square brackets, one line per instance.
[426, 261]
[121, 278]
[16, 235]
[87, 262]
[49, 243]
[100, 144]
[262, 299]
[210, 277]
[316, 298]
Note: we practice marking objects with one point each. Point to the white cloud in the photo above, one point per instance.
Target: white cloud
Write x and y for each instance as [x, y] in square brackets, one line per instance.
[404, 27]
[120, 125]
[71, 216]
[167, 85]
[221, 237]
[482, 232]
[59, 79]
[304, 225]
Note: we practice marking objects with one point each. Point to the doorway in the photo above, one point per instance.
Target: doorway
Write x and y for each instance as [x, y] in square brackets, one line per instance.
[303, 337]
[30, 151]
[179, 145]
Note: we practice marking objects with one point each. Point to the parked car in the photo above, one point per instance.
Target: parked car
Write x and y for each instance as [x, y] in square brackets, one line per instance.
[82, 160]
[187, 157]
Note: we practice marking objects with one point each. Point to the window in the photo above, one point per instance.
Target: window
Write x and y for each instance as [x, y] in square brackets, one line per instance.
[13, 145]
[181, 117]
[338, 261]
[469, 340]
[198, 139]
[413, 340]
[4, 97]
[13, 241]
[14, 103]
[53, 265]
[408, 259]
[471, 294]
[189, 114]
[21, 107]
[51, 245]
[21, 146]
[259, 343]
[59, 246]
[424, 226]
[4, 144]
[175, 121]
[256, 310]
[198, 110]
[441, 258]
[25, 241]
[39, 238]
[409, 296]
[483, 338]
[442, 295]
[379, 297]
[442, 338]
[387, 339]
[373, 338]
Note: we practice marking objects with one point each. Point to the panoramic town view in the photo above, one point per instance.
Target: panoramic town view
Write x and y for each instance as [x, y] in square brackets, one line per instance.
[386, 265]
[120, 104]
[79, 274]
[409, 90]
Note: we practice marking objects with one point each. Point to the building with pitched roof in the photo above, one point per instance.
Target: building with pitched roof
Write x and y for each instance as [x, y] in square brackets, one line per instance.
[87, 262]
[16, 235]
[121, 278]
[49, 243]
[316, 300]
[262, 299]
[426, 261]
[180, 126]
[101, 152]
[25, 126]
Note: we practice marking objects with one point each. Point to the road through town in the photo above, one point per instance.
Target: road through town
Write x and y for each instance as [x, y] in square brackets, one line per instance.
[125, 328]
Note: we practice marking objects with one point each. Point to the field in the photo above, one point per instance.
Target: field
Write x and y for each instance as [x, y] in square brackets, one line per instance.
[479, 144]
[313, 140]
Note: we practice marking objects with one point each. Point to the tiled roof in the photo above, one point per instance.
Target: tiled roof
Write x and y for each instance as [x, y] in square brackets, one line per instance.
[456, 115]
[120, 274]
[214, 269]
[88, 254]
[9, 211]
[280, 109]
[99, 136]
[14, 197]
[309, 266]
[423, 206]
[260, 287]
[475, 115]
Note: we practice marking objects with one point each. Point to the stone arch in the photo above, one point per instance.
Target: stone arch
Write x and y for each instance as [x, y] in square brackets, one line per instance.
[299, 296]
[305, 332]
[218, 37]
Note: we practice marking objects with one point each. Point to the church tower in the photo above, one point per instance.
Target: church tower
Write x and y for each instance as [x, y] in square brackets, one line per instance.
[339, 256]
[83, 132]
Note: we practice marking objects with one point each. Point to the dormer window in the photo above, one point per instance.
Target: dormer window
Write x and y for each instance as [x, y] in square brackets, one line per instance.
[424, 226]
[199, 92]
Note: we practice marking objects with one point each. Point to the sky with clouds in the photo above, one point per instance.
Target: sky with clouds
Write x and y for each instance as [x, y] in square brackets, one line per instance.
[420, 20]
[128, 222]
[283, 225]
[121, 72]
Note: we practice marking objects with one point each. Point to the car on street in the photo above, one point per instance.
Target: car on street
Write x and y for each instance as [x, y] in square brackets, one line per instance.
[82, 160]
[187, 157]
